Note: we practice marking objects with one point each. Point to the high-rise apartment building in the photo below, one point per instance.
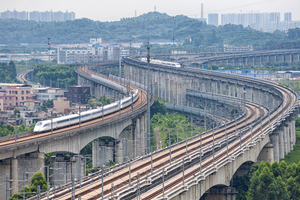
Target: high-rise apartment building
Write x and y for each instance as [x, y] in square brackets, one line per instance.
[213, 19]
[267, 22]
[288, 17]
[37, 16]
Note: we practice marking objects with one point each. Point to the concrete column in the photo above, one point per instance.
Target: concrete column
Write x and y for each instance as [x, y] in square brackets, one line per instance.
[222, 88]
[293, 130]
[14, 176]
[256, 96]
[167, 86]
[231, 90]
[240, 92]
[203, 86]
[249, 93]
[5, 166]
[291, 134]
[119, 151]
[98, 153]
[137, 138]
[207, 86]
[286, 138]
[142, 134]
[30, 163]
[281, 142]
[214, 86]
[276, 145]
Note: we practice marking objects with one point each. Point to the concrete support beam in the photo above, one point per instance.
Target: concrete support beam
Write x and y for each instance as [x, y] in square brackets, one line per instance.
[62, 169]
[137, 138]
[281, 142]
[223, 88]
[249, 93]
[275, 141]
[286, 139]
[14, 176]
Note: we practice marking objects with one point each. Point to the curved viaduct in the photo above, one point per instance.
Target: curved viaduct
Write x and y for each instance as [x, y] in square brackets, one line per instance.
[27, 152]
[245, 58]
[271, 110]
[274, 137]
[265, 132]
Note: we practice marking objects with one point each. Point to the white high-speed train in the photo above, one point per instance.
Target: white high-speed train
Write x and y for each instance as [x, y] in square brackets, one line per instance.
[69, 120]
[161, 62]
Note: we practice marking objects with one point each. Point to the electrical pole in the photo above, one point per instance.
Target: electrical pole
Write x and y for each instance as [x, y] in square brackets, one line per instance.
[49, 50]
[148, 99]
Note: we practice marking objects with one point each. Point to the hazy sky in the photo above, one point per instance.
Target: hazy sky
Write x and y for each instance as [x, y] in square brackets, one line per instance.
[111, 10]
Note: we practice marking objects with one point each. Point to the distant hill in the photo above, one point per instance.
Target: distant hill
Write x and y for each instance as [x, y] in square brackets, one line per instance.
[159, 26]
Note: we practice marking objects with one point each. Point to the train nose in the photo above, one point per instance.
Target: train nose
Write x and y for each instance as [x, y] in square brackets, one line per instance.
[36, 129]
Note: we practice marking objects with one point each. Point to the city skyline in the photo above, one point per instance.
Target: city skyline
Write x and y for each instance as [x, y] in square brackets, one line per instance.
[115, 10]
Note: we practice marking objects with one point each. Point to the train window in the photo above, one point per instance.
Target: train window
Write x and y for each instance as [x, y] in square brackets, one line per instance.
[39, 123]
[46, 125]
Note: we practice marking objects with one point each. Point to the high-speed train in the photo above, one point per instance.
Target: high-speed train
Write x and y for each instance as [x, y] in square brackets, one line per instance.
[161, 62]
[69, 120]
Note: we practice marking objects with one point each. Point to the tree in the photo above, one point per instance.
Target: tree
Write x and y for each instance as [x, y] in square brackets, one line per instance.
[37, 179]
[278, 190]
[157, 108]
[293, 189]
[12, 72]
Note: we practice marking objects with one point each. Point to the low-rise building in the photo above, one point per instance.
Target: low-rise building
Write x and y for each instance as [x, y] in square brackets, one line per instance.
[44, 94]
[61, 105]
[78, 94]
[33, 105]
[21, 94]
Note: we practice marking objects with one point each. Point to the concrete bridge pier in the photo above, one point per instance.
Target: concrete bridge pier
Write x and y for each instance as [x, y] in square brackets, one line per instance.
[286, 137]
[102, 153]
[29, 163]
[275, 141]
[214, 85]
[231, 89]
[14, 176]
[256, 96]
[249, 94]
[62, 168]
[281, 141]
[223, 88]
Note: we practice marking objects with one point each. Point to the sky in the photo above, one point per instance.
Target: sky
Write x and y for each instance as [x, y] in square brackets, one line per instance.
[113, 10]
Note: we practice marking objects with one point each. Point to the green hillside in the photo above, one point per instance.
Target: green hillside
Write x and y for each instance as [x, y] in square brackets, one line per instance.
[159, 27]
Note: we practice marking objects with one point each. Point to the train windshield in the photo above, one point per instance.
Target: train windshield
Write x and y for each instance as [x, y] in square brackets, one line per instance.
[39, 123]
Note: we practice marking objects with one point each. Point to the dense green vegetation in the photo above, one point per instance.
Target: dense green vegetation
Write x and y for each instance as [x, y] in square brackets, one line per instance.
[37, 179]
[276, 181]
[8, 72]
[159, 26]
[59, 75]
[6, 130]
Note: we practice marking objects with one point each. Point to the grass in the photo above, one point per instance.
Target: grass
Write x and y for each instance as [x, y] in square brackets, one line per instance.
[294, 156]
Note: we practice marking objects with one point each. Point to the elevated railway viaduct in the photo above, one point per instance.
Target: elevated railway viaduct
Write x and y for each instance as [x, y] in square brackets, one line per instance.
[26, 154]
[236, 58]
[271, 110]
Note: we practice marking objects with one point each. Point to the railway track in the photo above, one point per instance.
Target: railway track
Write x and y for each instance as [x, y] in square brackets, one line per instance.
[178, 152]
[121, 178]
[141, 102]
[161, 160]
[233, 148]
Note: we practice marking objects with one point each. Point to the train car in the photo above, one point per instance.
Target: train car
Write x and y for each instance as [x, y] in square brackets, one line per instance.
[161, 62]
[73, 119]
